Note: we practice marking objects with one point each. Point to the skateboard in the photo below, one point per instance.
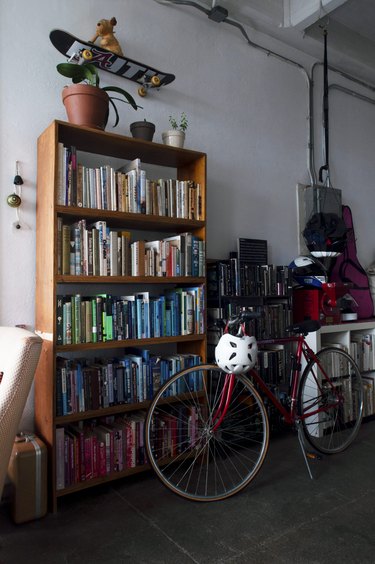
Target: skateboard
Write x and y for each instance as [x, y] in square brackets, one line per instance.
[81, 51]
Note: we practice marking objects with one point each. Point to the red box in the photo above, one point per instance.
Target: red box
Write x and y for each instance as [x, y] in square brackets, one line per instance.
[308, 303]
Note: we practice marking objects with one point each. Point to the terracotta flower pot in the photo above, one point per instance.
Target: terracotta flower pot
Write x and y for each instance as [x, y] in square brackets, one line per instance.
[86, 105]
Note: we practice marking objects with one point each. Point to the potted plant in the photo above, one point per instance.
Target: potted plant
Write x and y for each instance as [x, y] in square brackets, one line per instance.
[176, 135]
[87, 103]
[142, 130]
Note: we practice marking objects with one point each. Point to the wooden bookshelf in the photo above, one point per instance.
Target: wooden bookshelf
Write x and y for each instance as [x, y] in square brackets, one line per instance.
[186, 165]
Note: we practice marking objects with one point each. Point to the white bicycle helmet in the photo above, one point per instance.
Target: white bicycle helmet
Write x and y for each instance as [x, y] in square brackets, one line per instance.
[236, 355]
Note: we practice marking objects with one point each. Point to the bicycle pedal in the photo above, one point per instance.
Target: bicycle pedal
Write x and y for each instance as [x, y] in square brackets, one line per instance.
[313, 456]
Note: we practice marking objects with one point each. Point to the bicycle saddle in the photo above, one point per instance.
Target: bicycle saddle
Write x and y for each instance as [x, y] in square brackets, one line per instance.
[304, 327]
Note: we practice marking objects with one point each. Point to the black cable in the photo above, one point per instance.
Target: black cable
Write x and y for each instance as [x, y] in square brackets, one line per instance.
[325, 112]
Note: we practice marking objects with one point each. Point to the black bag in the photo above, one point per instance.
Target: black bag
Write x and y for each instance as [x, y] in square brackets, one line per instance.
[325, 232]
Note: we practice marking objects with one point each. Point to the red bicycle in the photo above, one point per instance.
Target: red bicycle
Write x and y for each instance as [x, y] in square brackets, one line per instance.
[207, 429]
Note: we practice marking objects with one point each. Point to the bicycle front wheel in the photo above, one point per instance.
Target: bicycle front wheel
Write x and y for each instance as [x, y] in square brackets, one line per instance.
[331, 400]
[192, 458]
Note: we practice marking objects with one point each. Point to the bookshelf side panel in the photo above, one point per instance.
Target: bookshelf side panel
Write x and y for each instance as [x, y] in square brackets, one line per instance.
[46, 231]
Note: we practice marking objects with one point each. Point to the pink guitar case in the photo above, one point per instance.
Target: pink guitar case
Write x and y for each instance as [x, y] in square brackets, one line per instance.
[348, 269]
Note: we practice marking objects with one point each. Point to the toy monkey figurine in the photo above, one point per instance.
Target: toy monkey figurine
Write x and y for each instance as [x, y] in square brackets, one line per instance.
[104, 30]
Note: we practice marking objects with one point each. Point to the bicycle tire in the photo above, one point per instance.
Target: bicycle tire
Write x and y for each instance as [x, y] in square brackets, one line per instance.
[332, 430]
[190, 459]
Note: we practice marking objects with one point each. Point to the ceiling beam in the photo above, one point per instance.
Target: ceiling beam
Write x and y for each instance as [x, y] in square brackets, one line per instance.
[300, 14]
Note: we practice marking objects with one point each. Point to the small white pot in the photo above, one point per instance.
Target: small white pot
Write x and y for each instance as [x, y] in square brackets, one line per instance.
[173, 137]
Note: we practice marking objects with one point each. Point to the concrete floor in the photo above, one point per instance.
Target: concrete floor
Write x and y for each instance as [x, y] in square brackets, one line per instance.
[282, 517]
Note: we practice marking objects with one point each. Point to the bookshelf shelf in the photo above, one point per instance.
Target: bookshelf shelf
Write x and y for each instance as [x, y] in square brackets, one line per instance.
[130, 343]
[92, 414]
[102, 480]
[72, 279]
[132, 220]
[54, 418]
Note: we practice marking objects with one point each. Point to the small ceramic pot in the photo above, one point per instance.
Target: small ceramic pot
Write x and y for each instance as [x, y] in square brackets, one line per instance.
[143, 130]
[173, 137]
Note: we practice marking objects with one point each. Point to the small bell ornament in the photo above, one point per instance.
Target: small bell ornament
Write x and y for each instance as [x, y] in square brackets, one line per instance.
[14, 200]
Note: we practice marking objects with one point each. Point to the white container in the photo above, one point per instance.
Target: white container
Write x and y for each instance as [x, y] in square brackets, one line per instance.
[371, 280]
[173, 137]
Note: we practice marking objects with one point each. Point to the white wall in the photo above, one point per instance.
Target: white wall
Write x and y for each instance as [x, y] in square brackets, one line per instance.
[246, 110]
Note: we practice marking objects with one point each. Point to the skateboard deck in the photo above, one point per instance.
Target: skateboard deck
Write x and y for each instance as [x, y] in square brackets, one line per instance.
[144, 75]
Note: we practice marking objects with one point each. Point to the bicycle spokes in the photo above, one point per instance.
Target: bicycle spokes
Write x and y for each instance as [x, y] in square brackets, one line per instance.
[208, 442]
[330, 400]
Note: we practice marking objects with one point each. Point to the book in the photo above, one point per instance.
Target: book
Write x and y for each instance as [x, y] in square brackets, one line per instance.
[61, 174]
[60, 458]
[137, 373]
[79, 432]
[138, 258]
[125, 253]
[65, 244]
[132, 171]
[105, 435]
[143, 315]
[113, 253]
[130, 430]
[153, 263]
[101, 226]
[175, 259]
[195, 256]
[95, 252]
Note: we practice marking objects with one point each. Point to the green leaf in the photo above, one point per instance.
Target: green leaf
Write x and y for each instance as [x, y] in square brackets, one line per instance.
[128, 98]
[116, 112]
[78, 73]
[91, 73]
[70, 71]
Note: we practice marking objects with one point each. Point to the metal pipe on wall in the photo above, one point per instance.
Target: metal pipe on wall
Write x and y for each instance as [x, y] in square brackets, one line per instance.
[309, 78]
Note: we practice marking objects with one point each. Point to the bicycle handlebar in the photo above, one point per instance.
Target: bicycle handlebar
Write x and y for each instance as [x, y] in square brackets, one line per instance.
[243, 317]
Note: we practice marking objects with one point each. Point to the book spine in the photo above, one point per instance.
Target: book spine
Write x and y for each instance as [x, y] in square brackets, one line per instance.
[60, 458]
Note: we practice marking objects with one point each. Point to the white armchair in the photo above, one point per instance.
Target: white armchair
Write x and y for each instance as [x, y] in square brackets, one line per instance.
[19, 355]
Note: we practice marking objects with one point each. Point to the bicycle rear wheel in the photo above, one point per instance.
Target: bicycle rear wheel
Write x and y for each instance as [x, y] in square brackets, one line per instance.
[333, 386]
[191, 458]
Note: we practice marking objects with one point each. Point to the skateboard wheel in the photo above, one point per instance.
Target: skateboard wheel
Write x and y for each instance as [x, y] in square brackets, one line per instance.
[155, 81]
[142, 91]
[87, 55]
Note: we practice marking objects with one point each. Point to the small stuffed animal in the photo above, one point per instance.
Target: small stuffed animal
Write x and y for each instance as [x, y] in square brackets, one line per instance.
[104, 30]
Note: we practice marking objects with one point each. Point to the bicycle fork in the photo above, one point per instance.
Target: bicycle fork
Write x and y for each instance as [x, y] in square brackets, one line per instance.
[225, 397]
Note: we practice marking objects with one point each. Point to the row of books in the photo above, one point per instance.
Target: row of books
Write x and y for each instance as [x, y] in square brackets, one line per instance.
[272, 364]
[362, 349]
[83, 385]
[232, 278]
[175, 432]
[273, 321]
[98, 250]
[127, 189]
[94, 449]
[104, 317]
[368, 382]
[179, 255]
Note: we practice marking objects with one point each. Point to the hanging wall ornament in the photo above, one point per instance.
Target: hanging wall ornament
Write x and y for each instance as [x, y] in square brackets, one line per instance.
[14, 200]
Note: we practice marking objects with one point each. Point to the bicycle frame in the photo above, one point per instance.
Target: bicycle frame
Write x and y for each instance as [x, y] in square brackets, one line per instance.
[303, 351]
